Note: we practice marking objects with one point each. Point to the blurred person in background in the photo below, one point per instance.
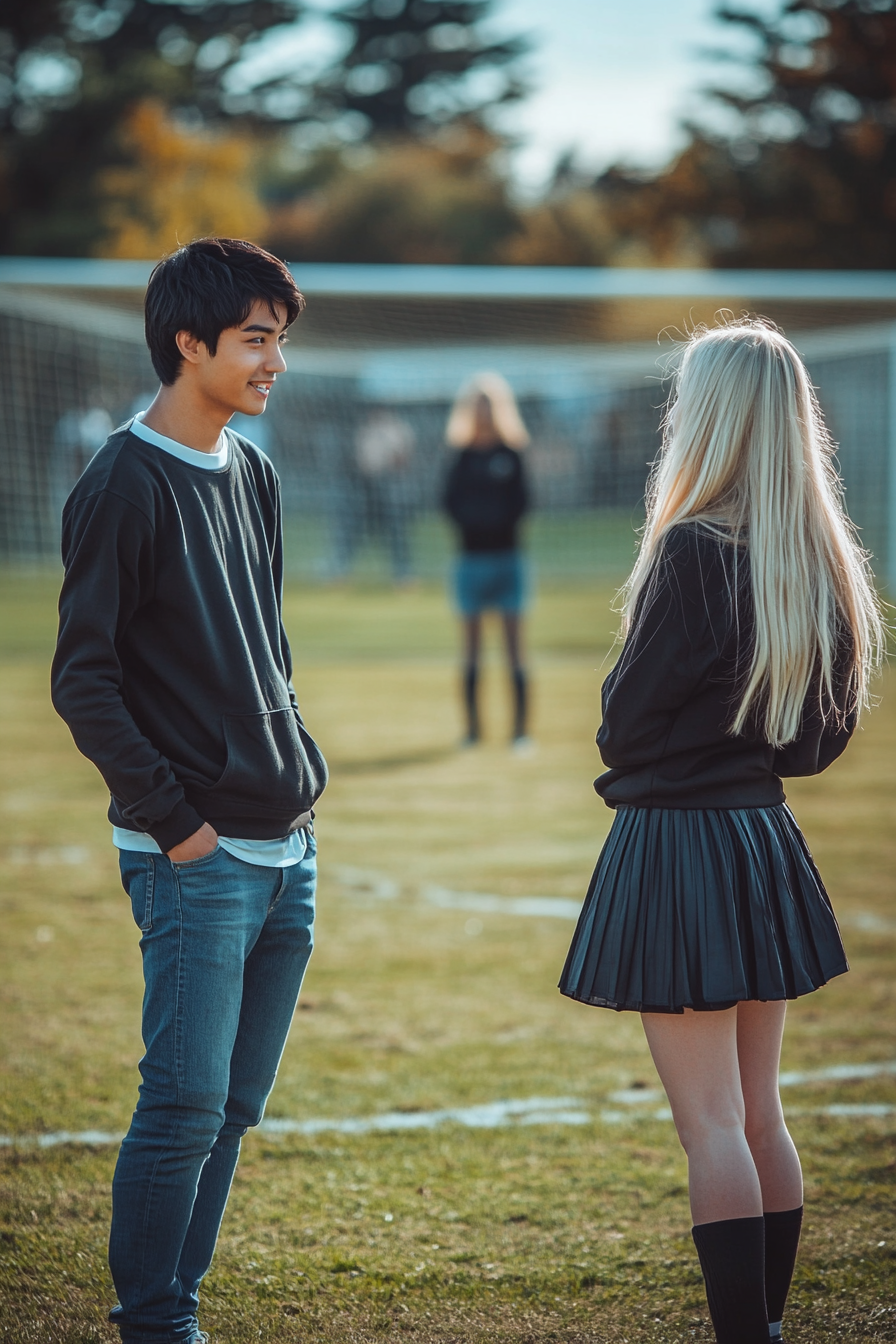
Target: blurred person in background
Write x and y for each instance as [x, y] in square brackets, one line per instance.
[384, 447]
[78, 434]
[372, 497]
[751, 629]
[486, 497]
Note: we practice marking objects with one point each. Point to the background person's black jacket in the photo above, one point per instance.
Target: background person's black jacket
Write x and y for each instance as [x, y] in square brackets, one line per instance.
[486, 495]
[669, 700]
[172, 668]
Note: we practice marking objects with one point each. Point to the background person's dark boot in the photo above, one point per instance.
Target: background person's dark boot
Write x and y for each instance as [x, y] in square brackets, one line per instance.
[471, 705]
[520, 703]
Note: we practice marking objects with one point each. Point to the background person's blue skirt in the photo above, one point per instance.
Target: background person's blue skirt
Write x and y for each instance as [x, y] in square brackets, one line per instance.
[490, 581]
[702, 909]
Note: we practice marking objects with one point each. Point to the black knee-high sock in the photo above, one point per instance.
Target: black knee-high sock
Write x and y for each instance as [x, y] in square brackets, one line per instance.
[782, 1238]
[520, 701]
[470, 680]
[732, 1257]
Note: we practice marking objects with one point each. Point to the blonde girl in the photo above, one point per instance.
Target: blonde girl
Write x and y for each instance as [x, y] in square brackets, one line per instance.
[751, 631]
[486, 497]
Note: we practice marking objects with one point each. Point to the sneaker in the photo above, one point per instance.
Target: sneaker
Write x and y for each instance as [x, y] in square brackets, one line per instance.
[523, 746]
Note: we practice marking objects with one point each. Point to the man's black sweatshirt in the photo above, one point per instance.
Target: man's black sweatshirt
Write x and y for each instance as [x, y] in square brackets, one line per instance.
[172, 667]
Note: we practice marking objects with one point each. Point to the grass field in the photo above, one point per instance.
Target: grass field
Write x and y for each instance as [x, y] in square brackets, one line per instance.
[542, 1229]
[564, 546]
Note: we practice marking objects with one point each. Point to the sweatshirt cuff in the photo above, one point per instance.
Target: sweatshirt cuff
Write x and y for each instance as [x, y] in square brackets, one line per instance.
[179, 825]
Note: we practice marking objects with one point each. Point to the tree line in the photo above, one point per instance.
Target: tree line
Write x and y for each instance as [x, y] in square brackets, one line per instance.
[128, 125]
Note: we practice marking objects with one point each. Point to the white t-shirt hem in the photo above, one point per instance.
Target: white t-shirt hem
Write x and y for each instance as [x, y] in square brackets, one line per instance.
[282, 853]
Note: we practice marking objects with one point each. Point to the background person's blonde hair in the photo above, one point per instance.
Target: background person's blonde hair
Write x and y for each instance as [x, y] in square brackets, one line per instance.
[746, 452]
[461, 426]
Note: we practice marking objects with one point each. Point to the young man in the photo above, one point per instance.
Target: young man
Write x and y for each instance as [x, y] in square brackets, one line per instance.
[173, 673]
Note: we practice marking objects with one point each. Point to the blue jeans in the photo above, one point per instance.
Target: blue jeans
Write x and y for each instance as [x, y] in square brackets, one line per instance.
[225, 945]
[490, 581]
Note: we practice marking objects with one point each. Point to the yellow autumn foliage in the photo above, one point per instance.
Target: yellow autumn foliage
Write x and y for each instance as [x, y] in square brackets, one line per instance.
[438, 201]
[179, 184]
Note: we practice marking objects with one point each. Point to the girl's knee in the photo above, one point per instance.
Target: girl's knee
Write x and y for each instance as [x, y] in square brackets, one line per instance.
[700, 1130]
[764, 1127]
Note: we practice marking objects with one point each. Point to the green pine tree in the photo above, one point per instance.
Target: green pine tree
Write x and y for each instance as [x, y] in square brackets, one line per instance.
[70, 72]
[805, 173]
[414, 65]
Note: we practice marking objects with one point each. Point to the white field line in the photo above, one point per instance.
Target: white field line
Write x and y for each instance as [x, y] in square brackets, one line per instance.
[864, 921]
[377, 886]
[837, 1073]
[640, 1104]
[490, 1115]
[94, 1137]
[363, 882]
[644, 1097]
[366, 883]
[539, 907]
[873, 1109]
[49, 856]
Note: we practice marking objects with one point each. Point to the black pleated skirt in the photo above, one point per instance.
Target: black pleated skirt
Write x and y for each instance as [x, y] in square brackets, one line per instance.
[702, 909]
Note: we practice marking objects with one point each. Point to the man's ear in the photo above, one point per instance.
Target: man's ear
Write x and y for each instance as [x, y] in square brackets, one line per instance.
[189, 346]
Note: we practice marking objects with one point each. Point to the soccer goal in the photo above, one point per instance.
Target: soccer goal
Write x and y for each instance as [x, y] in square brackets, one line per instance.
[355, 427]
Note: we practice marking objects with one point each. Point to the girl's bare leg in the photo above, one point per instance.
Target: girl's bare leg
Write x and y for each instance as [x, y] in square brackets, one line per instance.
[696, 1056]
[720, 1072]
[513, 638]
[760, 1027]
[472, 639]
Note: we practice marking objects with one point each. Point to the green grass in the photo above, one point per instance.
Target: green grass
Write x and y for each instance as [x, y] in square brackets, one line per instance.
[597, 543]
[521, 1234]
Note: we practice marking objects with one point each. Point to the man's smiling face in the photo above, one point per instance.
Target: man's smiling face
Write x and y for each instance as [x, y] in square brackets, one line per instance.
[241, 373]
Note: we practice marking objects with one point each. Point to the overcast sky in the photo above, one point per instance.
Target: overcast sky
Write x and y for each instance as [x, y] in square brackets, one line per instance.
[613, 77]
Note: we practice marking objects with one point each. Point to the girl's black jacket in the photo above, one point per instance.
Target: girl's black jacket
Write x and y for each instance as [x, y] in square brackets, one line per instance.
[486, 495]
[172, 667]
[669, 700]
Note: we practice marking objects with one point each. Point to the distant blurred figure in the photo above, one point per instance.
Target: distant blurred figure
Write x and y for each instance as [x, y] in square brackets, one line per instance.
[79, 433]
[486, 496]
[379, 492]
[384, 446]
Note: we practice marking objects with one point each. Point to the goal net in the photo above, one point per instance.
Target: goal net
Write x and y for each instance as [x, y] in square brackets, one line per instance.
[356, 425]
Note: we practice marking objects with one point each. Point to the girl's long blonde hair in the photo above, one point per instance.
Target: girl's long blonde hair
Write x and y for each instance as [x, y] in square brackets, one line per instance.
[461, 426]
[746, 453]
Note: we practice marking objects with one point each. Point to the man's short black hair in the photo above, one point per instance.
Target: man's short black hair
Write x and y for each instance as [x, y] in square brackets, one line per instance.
[206, 287]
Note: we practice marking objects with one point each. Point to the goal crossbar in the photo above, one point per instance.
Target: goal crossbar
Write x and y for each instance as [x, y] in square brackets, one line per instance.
[493, 282]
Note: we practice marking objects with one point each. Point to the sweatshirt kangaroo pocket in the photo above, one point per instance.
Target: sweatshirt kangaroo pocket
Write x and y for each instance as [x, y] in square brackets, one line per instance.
[272, 765]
